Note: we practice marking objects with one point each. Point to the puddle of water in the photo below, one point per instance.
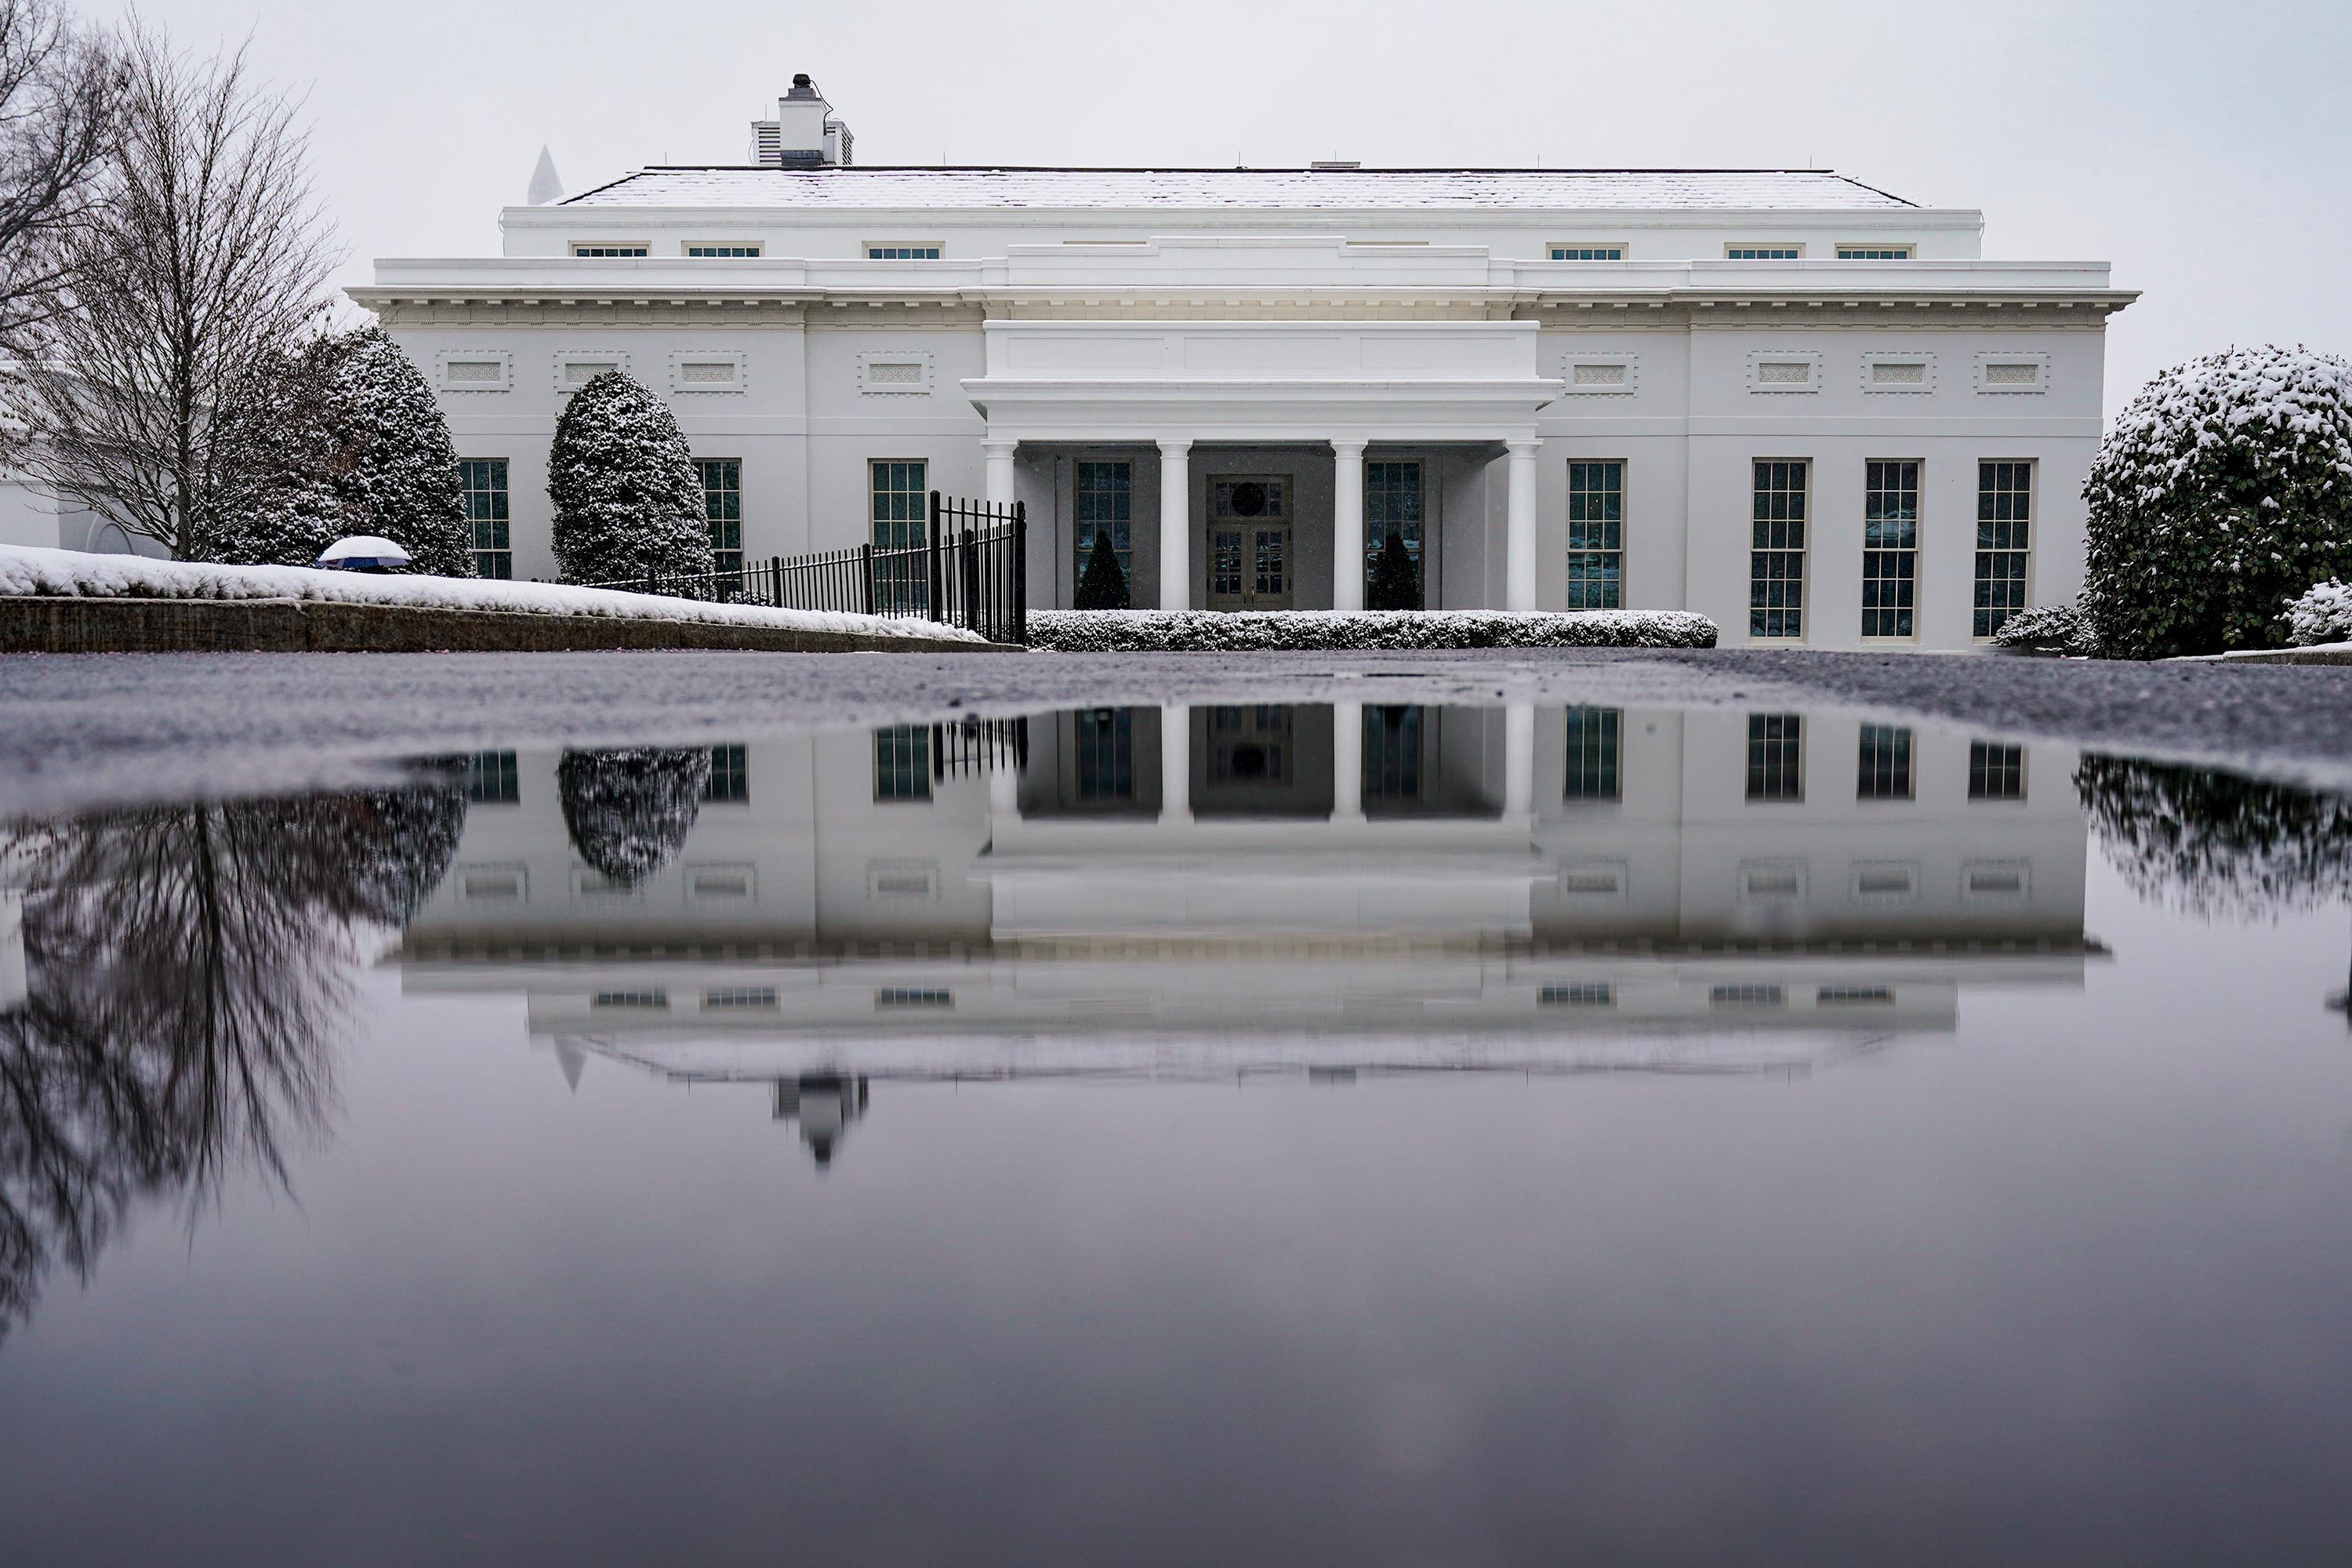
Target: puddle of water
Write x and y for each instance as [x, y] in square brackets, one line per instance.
[1363, 1131]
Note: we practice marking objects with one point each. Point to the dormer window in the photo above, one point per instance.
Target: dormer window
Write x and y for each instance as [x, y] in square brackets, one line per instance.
[1587, 252]
[1874, 252]
[1763, 253]
[609, 251]
[901, 250]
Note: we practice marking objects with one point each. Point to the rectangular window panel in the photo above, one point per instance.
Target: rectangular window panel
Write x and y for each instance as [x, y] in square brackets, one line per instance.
[483, 481]
[1776, 566]
[1890, 548]
[730, 776]
[1588, 253]
[1763, 253]
[1996, 771]
[722, 508]
[1592, 741]
[1776, 756]
[1873, 253]
[1581, 993]
[491, 779]
[902, 517]
[902, 762]
[2004, 541]
[1885, 765]
[1596, 535]
[1392, 507]
[1104, 503]
[1105, 746]
[609, 251]
[1392, 744]
[724, 252]
[902, 253]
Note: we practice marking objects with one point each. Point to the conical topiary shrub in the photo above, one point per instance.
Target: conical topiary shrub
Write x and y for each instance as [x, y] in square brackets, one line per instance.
[628, 503]
[1102, 586]
[1395, 585]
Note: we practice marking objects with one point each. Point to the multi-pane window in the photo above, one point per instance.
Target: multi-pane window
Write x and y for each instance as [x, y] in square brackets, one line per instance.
[491, 779]
[724, 252]
[2004, 530]
[1579, 994]
[1776, 756]
[901, 509]
[1996, 771]
[1105, 747]
[1391, 743]
[1104, 503]
[899, 252]
[609, 251]
[722, 508]
[1588, 253]
[1763, 252]
[1890, 548]
[1592, 741]
[1392, 508]
[1776, 564]
[1873, 253]
[1884, 769]
[730, 776]
[1596, 535]
[483, 482]
[902, 762]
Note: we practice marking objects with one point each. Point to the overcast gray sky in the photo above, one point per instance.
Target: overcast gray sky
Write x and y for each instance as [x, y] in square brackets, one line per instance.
[2206, 150]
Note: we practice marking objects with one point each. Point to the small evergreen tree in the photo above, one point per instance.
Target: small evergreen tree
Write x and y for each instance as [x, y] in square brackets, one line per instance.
[1103, 587]
[2222, 491]
[1395, 585]
[628, 811]
[396, 470]
[627, 501]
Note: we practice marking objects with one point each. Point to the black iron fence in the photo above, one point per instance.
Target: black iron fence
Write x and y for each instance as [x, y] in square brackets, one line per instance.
[970, 570]
[977, 745]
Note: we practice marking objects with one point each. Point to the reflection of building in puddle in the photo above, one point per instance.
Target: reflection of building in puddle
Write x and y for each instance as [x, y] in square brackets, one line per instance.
[1296, 889]
[824, 1104]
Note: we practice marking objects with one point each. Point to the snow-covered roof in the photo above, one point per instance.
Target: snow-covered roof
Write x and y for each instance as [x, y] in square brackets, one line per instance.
[1351, 190]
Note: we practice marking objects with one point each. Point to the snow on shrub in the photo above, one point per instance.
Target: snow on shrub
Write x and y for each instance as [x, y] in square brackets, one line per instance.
[2217, 843]
[628, 503]
[2223, 490]
[1126, 631]
[2045, 628]
[32, 570]
[629, 810]
[2323, 614]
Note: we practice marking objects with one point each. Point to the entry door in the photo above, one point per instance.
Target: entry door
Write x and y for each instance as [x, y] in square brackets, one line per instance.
[1249, 541]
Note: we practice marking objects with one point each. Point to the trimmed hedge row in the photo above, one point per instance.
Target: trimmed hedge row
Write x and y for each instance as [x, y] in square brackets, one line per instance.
[1251, 631]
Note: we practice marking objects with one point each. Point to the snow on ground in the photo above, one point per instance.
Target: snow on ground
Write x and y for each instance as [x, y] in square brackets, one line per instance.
[32, 571]
[1254, 631]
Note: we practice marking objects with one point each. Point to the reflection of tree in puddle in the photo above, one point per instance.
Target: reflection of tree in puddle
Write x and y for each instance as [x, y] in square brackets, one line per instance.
[186, 968]
[629, 811]
[2216, 843]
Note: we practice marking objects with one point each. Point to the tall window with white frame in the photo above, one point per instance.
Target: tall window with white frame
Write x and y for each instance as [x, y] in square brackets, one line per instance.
[902, 508]
[1596, 535]
[1103, 502]
[483, 482]
[1882, 769]
[1776, 756]
[1594, 738]
[902, 763]
[1392, 508]
[722, 508]
[1776, 563]
[1890, 547]
[2004, 541]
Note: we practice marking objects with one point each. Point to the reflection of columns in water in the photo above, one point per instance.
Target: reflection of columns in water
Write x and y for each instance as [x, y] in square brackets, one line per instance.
[1004, 788]
[14, 988]
[1175, 764]
[1347, 760]
[824, 1104]
[1519, 759]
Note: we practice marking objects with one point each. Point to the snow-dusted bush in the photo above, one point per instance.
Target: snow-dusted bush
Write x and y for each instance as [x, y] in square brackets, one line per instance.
[1128, 631]
[2045, 628]
[2217, 843]
[622, 479]
[2223, 490]
[629, 811]
[2323, 614]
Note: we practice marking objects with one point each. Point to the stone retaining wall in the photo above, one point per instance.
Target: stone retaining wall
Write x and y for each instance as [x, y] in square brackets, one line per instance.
[63, 624]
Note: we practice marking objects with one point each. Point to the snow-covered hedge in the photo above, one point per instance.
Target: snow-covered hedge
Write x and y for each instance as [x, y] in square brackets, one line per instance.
[29, 570]
[1130, 631]
[2045, 628]
[2321, 615]
[2223, 490]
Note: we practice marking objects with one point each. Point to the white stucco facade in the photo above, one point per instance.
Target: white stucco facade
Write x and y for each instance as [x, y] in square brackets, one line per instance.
[1551, 433]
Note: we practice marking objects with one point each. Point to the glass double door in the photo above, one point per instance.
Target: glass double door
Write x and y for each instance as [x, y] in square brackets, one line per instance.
[1250, 560]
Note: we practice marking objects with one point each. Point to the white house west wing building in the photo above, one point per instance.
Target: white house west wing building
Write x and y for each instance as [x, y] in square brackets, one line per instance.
[1797, 404]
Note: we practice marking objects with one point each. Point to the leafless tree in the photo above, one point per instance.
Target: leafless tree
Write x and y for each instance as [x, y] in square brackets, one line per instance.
[209, 259]
[60, 89]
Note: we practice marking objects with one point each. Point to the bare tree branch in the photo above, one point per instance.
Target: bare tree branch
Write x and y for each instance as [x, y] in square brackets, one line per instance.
[59, 88]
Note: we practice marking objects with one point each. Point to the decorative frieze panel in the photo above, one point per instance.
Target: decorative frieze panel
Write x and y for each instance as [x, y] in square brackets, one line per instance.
[1784, 370]
[1898, 371]
[2012, 373]
[894, 373]
[707, 371]
[475, 369]
[1589, 374]
[575, 368]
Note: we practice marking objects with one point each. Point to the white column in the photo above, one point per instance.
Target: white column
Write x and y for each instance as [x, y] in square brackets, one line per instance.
[1175, 525]
[1519, 759]
[999, 455]
[1175, 764]
[1347, 762]
[1348, 525]
[1519, 535]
